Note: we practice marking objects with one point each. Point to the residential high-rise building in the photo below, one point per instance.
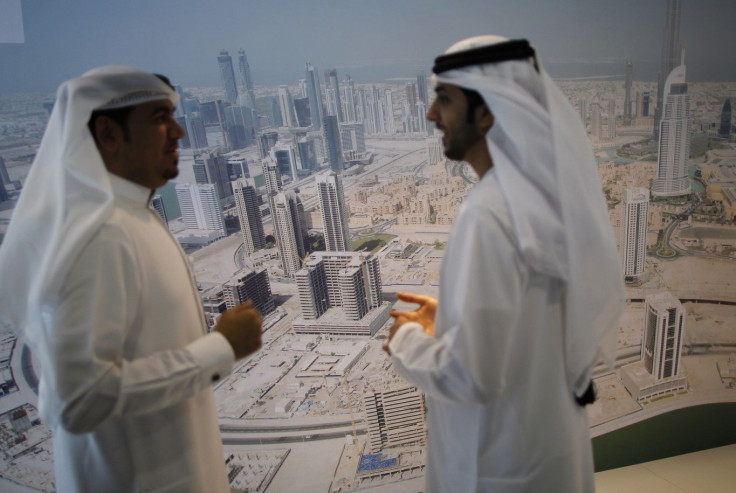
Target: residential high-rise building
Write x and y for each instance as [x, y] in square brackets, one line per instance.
[246, 76]
[307, 153]
[285, 158]
[340, 293]
[634, 220]
[286, 105]
[250, 285]
[241, 126]
[645, 103]
[266, 141]
[311, 281]
[249, 214]
[200, 207]
[389, 113]
[211, 167]
[724, 131]
[331, 132]
[303, 116]
[334, 101]
[352, 137]
[379, 120]
[422, 89]
[671, 50]
[435, 151]
[674, 138]
[334, 212]
[4, 180]
[664, 326]
[627, 93]
[157, 202]
[314, 93]
[196, 132]
[394, 418]
[288, 217]
[227, 76]
[349, 100]
[352, 280]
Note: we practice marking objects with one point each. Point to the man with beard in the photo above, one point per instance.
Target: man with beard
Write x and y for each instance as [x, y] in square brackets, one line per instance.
[96, 285]
[530, 287]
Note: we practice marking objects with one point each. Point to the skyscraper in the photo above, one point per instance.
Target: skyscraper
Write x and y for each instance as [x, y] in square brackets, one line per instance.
[158, 204]
[4, 180]
[634, 219]
[285, 160]
[196, 132]
[724, 131]
[314, 93]
[671, 50]
[334, 101]
[227, 76]
[332, 143]
[674, 138]
[627, 93]
[340, 293]
[389, 113]
[288, 217]
[250, 285]
[249, 214]
[334, 212]
[349, 100]
[422, 89]
[286, 105]
[352, 137]
[245, 74]
[663, 330]
[394, 417]
[211, 167]
[241, 126]
[200, 207]
[303, 116]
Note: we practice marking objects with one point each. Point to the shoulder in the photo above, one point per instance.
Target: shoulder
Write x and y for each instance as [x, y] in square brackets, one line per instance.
[486, 209]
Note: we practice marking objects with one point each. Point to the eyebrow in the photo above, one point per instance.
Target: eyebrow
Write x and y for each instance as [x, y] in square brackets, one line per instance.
[162, 109]
[439, 89]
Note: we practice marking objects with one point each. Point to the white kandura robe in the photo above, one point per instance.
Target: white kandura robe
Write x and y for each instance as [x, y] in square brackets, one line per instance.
[500, 415]
[133, 365]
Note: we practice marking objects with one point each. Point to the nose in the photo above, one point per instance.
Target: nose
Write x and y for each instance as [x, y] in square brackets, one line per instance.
[432, 112]
[176, 130]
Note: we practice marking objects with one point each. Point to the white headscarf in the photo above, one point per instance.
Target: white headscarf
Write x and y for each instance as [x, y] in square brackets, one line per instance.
[66, 197]
[546, 168]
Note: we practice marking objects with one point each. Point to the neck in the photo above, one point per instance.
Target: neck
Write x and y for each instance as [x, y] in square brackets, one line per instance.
[479, 158]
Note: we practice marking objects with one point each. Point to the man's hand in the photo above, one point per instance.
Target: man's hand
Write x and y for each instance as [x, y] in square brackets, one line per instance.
[424, 315]
[241, 326]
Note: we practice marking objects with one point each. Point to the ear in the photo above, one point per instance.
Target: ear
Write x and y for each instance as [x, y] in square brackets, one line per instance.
[484, 118]
[109, 135]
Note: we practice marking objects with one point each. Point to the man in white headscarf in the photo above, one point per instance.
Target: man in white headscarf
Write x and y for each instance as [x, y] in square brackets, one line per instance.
[530, 289]
[96, 285]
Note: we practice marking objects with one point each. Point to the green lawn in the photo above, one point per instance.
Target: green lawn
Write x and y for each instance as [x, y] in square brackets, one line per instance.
[371, 243]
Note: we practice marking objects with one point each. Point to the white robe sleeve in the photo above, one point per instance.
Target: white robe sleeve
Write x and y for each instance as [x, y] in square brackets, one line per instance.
[480, 294]
[93, 381]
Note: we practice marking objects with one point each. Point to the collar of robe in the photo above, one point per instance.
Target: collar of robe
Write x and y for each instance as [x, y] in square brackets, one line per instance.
[514, 49]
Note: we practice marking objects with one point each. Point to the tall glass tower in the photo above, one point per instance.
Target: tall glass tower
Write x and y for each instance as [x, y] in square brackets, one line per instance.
[672, 178]
[634, 219]
[314, 93]
[227, 75]
[334, 213]
[671, 50]
[725, 129]
[245, 74]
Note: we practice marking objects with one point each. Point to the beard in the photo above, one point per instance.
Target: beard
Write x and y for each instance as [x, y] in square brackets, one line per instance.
[459, 140]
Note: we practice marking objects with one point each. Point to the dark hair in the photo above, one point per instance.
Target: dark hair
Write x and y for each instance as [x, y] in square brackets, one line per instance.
[474, 100]
[119, 115]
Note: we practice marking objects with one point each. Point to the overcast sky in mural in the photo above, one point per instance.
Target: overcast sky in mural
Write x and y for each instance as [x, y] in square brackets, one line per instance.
[372, 40]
